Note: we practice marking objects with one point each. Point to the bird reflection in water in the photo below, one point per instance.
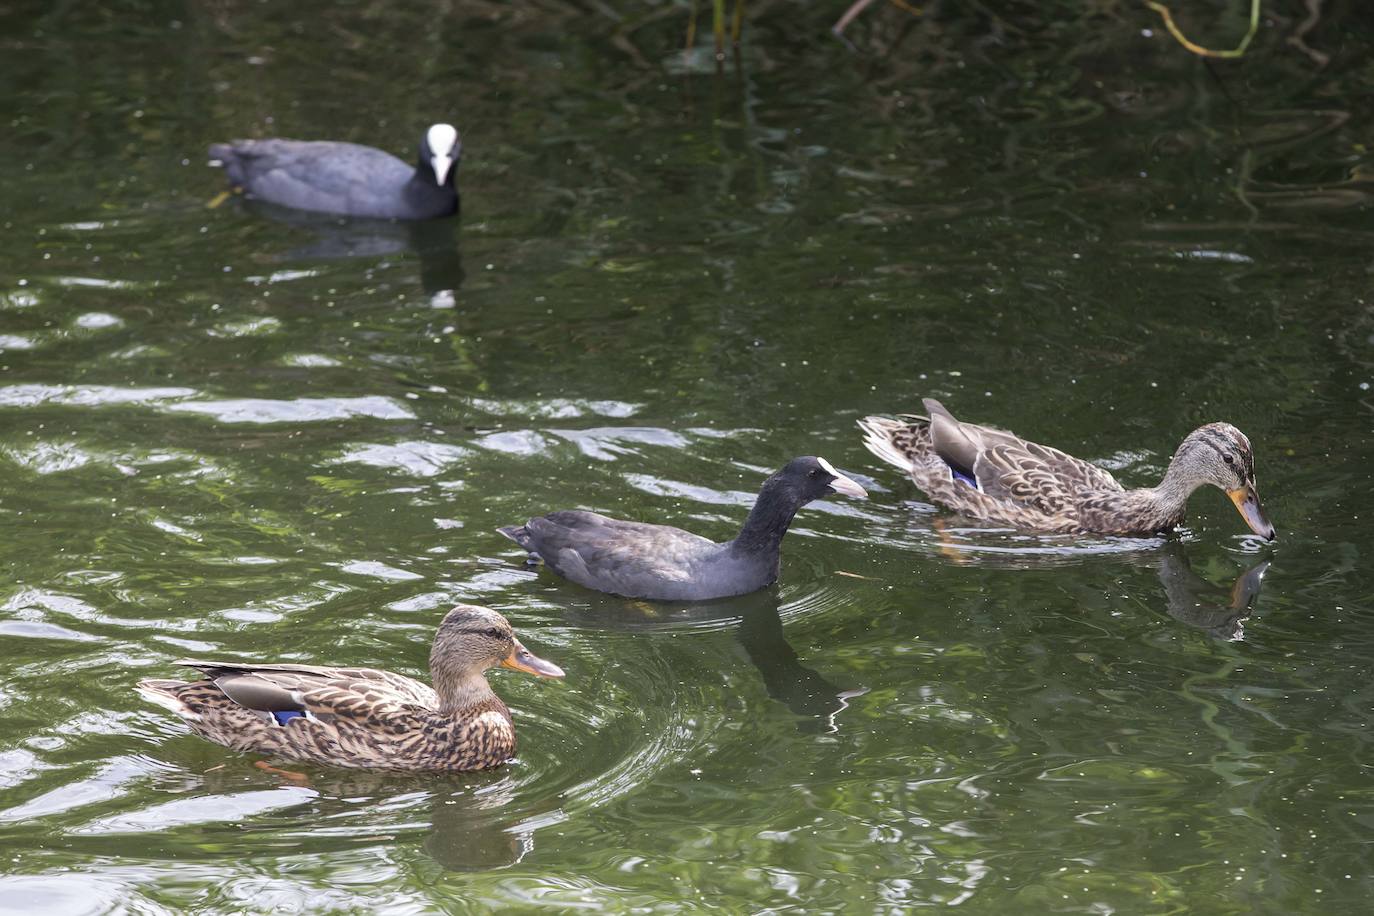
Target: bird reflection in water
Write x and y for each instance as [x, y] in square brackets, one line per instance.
[472, 824]
[433, 242]
[471, 831]
[758, 627]
[801, 689]
[1198, 603]
[1188, 597]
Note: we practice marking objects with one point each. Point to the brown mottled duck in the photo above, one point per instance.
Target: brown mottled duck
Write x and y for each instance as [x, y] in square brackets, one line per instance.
[363, 717]
[997, 476]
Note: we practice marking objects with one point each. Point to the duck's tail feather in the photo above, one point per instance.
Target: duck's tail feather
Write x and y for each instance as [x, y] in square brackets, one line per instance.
[952, 443]
[163, 693]
[878, 439]
[935, 409]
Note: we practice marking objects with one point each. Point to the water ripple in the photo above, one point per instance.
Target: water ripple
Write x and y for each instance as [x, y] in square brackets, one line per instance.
[420, 459]
[32, 395]
[297, 410]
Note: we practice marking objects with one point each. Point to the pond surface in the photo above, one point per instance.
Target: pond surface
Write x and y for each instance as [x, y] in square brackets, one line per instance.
[234, 432]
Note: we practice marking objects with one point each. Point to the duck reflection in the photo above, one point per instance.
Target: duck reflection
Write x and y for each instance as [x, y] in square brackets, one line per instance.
[1188, 597]
[473, 827]
[1198, 603]
[756, 620]
[472, 824]
[433, 242]
[471, 831]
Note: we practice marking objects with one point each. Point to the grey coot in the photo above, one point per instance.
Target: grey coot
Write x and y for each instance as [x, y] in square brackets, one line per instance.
[663, 563]
[346, 178]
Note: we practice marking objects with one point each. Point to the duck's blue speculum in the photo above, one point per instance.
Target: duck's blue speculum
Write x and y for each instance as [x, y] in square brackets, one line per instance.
[960, 475]
[284, 717]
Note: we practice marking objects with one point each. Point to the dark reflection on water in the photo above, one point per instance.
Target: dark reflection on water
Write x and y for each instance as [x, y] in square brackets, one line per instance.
[467, 823]
[801, 689]
[1196, 602]
[1188, 597]
[756, 622]
[434, 243]
[467, 836]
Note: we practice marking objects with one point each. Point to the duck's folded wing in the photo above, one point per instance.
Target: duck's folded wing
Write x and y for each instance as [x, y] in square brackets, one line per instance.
[364, 706]
[281, 687]
[1075, 474]
[1039, 477]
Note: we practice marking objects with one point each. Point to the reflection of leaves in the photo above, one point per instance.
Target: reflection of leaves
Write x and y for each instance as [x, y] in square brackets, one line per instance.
[1239, 50]
[266, 522]
[623, 266]
[348, 486]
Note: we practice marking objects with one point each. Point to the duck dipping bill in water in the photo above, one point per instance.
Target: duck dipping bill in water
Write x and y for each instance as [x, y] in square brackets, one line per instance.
[995, 475]
[346, 178]
[659, 562]
[362, 717]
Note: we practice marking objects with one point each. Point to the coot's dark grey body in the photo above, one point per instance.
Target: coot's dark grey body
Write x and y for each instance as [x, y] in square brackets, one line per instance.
[346, 178]
[663, 563]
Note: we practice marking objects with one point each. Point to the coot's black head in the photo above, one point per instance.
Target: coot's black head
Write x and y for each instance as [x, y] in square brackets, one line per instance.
[440, 149]
[813, 478]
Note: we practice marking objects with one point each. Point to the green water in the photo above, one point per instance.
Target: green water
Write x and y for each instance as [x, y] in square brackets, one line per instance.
[229, 432]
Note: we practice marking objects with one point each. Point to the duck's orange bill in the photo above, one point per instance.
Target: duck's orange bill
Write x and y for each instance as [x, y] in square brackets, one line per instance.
[1247, 503]
[522, 659]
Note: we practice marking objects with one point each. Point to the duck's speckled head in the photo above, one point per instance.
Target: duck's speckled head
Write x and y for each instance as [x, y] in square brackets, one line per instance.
[472, 639]
[1220, 455]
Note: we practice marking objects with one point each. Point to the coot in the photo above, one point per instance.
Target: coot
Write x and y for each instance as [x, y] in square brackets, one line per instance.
[346, 178]
[663, 563]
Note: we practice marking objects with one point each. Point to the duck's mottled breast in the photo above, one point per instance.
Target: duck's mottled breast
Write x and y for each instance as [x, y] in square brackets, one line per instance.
[476, 737]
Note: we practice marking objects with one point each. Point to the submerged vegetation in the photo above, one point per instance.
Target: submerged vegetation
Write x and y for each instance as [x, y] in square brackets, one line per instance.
[857, 8]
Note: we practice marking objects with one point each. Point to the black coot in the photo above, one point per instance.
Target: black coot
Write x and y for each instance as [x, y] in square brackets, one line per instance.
[663, 563]
[346, 178]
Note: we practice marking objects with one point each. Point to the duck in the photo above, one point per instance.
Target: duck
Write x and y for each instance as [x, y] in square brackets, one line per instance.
[347, 179]
[663, 563]
[364, 718]
[995, 475]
